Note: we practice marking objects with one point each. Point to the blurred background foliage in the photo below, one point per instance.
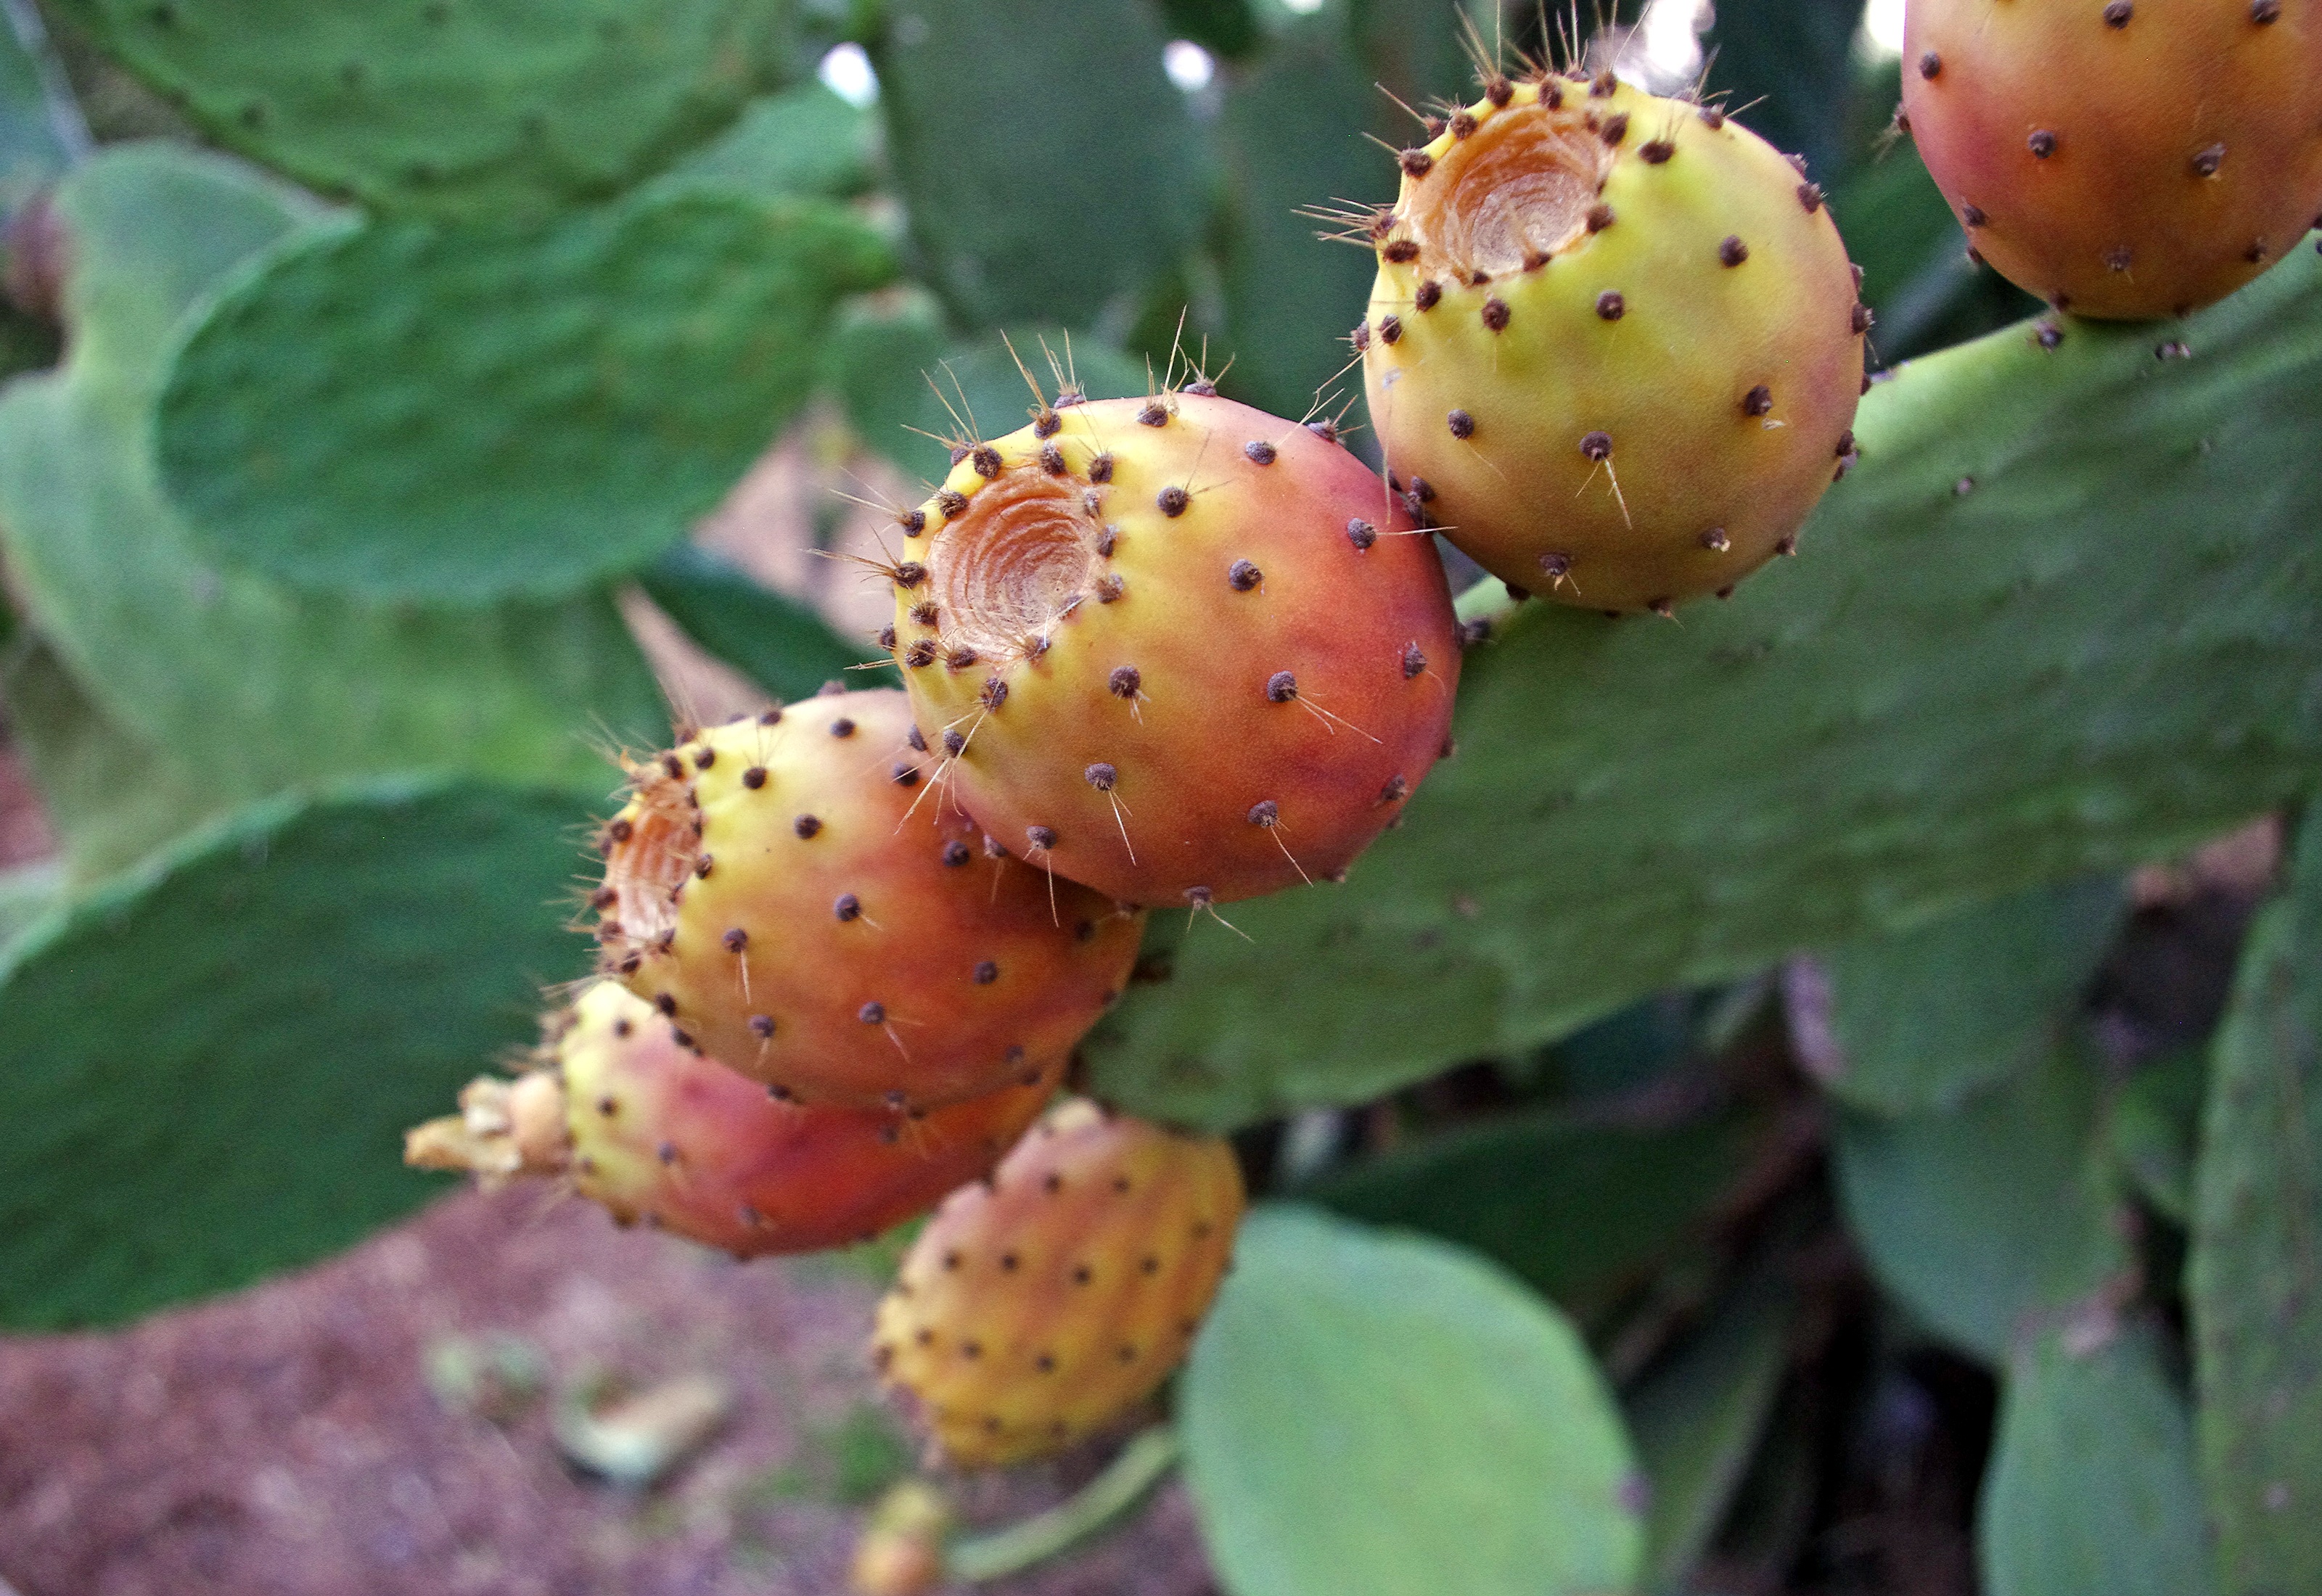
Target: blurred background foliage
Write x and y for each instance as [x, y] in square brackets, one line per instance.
[384, 374]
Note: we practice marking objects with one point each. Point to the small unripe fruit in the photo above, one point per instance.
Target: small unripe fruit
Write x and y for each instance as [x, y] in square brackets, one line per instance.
[1043, 1307]
[654, 1132]
[1604, 325]
[808, 905]
[1160, 615]
[2128, 162]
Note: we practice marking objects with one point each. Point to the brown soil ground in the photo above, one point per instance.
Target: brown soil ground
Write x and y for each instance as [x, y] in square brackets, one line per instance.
[287, 1442]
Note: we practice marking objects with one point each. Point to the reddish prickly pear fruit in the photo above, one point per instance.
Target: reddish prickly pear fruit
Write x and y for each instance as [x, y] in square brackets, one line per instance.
[2124, 160]
[1042, 1306]
[1615, 345]
[1174, 648]
[655, 1132]
[794, 893]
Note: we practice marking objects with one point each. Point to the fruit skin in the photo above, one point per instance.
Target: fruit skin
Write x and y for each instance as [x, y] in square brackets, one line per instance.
[2183, 142]
[1041, 1306]
[655, 1132]
[1195, 651]
[1587, 423]
[836, 929]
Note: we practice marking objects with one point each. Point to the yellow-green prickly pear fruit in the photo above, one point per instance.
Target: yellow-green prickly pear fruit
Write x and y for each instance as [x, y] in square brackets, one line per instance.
[1615, 345]
[1041, 1306]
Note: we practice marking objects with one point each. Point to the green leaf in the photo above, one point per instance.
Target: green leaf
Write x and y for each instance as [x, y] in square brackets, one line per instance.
[610, 378]
[205, 1070]
[1895, 1025]
[1050, 167]
[1370, 1413]
[450, 110]
[111, 795]
[1979, 1216]
[2254, 1278]
[2091, 1490]
[2100, 651]
[2154, 1125]
[1580, 1210]
[257, 687]
[907, 384]
[770, 637]
[804, 140]
[1698, 1417]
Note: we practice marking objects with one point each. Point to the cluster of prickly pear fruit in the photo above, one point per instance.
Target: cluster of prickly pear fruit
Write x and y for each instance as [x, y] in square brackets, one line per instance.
[795, 892]
[1177, 649]
[634, 1119]
[1615, 345]
[1044, 1304]
[2129, 160]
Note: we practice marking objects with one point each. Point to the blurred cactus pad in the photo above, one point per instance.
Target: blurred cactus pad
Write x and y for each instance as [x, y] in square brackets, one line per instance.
[384, 383]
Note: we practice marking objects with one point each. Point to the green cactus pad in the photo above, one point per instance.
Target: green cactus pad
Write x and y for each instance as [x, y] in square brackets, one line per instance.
[111, 795]
[1923, 1020]
[2059, 621]
[805, 141]
[450, 107]
[205, 1069]
[1374, 1412]
[2254, 1278]
[1981, 1216]
[256, 686]
[2090, 1490]
[1048, 164]
[770, 637]
[612, 376]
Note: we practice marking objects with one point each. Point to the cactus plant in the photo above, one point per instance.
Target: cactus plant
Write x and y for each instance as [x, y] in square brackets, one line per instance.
[1731, 1067]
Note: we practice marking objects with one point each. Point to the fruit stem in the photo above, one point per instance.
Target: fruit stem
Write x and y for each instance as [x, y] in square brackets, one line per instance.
[1121, 1486]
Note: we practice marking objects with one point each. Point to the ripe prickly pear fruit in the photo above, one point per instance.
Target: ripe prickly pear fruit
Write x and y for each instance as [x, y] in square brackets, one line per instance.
[793, 892]
[1177, 649]
[655, 1132]
[2125, 160]
[1042, 1306]
[1615, 345]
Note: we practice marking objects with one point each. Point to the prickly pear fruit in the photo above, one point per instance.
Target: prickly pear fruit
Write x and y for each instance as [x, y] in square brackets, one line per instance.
[1040, 1306]
[2125, 160]
[1615, 345]
[1174, 648]
[792, 890]
[653, 1131]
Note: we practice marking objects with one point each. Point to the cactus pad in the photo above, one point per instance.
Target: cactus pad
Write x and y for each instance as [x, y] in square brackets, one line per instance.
[1042, 1306]
[450, 108]
[614, 375]
[1613, 346]
[230, 672]
[794, 891]
[1185, 653]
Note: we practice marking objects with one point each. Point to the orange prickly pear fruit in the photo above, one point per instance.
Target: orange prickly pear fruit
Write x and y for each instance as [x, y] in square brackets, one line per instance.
[792, 892]
[2125, 159]
[1174, 648]
[1042, 1306]
[655, 1132]
[1614, 346]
